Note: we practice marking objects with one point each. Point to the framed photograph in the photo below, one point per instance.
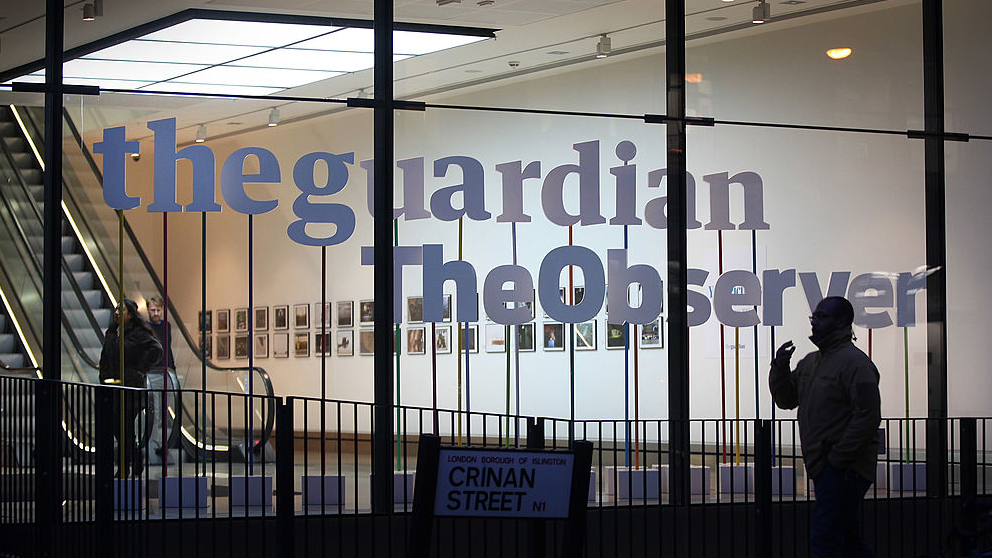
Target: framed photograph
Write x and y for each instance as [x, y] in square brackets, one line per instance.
[322, 344]
[529, 305]
[415, 309]
[224, 321]
[415, 337]
[280, 345]
[651, 335]
[240, 320]
[241, 345]
[495, 338]
[585, 336]
[525, 342]
[223, 347]
[301, 317]
[578, 293]
[616, 336]
[321, 319]
[261, 318]
[280, 317]
[206, 321]
[345, 341]
[554, 336]
[472, 341]
[301, 343]
[366, 342]
[208, 347]
[446, 308]
[346, 313]
[261, 345]
[442, 340]
[366, 312]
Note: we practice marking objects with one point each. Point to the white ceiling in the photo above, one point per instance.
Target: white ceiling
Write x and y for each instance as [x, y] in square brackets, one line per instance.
[540, 36]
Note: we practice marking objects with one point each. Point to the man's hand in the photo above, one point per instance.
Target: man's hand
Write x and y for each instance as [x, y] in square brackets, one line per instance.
[784, 354]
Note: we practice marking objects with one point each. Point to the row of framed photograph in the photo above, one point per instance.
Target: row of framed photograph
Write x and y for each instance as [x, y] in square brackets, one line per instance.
[281, 319]
[343, 315]
[342, 343]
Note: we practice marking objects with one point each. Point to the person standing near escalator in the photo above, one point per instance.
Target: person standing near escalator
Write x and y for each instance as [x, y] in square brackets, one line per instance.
[156, 377]
[141, 352]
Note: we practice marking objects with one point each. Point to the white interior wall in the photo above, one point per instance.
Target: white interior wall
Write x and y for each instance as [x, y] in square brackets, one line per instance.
[834, 201]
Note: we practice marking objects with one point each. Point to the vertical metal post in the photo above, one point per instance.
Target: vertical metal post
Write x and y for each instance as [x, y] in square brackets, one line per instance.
[382, 435]
[105, 469]
[678, 353]
[763, 487]
[285, 503]
[536, 535]
[969, 472]
[52, 258]
[936, 247]
[47, 479]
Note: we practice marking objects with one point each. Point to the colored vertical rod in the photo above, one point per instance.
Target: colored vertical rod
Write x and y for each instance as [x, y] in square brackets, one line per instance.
[723, 351]
[166, 342]
[396, 352]
[203, 335]
[468, 384]
[754, 270]
[516, 346]
[121, 309]
[461, 344]
[737, 395]
[323, 357]
[637, 400]
[251, 347]
[869, 343]
[571, 350]
[905, 360]
[626, 378]
[773, 400]
[506, 341]
[437, 430]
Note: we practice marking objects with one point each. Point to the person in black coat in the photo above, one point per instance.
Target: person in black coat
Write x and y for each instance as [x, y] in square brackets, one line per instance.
[141, 352]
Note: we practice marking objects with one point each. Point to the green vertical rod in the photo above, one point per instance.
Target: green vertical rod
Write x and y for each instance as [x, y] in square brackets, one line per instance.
[506, 341]
[120, 335]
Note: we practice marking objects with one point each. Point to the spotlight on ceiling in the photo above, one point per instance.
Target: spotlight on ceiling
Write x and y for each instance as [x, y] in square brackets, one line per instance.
[761, 13]
[446, 2]
[604, 46]
[839, 53]
[201, 133]
[274, 117]
[88, 12]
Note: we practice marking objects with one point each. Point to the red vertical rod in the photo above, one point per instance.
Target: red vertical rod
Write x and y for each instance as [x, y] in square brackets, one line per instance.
[723, 379]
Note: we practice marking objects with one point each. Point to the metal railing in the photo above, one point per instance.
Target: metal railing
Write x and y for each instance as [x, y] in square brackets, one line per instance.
[310, 491]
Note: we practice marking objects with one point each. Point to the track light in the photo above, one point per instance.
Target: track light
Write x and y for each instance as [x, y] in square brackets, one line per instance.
[98, 8]
[761, 13]
[88, 12]
[201, 133]
[604, 46]
[446, 2]
[274, 117]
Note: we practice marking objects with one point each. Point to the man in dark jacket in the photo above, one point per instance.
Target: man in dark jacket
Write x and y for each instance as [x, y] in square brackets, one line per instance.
[836, 391]
[155, 380]
[141, 351]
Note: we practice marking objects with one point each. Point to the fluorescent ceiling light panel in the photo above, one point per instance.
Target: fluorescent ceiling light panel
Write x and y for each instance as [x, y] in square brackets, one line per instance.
[177, 86]
[250, 33]
[164, 51]
[109, 83]
[415, 43]
[142, 71]
[351, 39]
[264, 77]
[310, 60]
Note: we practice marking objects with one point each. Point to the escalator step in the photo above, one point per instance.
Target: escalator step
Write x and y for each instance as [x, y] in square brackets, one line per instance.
[6, 343]
[13, 360]
[75, 262]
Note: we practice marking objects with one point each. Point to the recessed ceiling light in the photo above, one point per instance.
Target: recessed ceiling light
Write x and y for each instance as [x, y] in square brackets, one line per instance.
[839, 53]
[470, 71]
[715, 18]
[234, 123]
[558, 52]
[793, 2]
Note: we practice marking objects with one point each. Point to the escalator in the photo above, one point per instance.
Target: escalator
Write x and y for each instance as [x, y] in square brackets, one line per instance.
[91, 246]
